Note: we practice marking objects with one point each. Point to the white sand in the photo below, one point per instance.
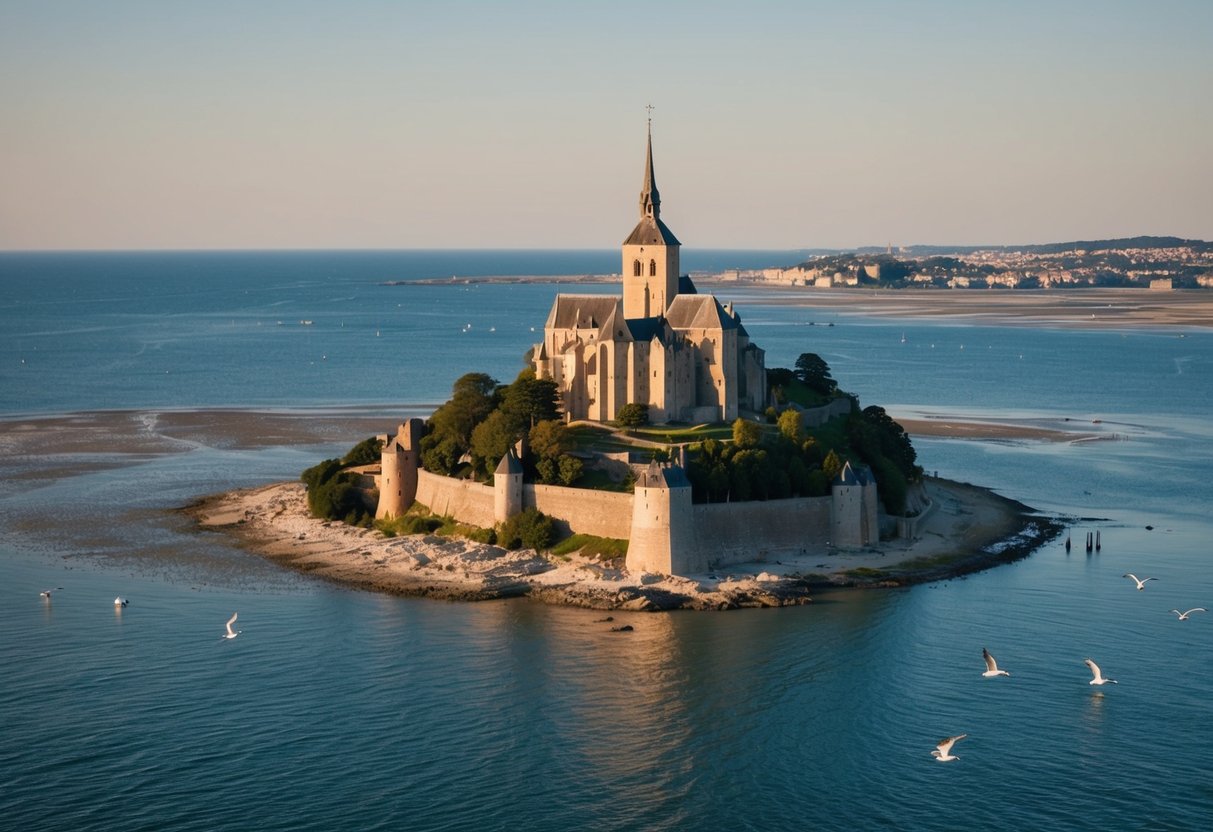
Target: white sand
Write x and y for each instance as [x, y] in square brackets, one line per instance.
[960, 533]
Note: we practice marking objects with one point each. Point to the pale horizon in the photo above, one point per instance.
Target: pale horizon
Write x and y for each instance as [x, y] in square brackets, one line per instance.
[375, 126]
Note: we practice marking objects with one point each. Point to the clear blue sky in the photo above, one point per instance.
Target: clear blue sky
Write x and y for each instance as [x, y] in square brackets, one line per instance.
[362, 124]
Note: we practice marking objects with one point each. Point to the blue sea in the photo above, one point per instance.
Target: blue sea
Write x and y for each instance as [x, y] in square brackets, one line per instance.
[132, 384]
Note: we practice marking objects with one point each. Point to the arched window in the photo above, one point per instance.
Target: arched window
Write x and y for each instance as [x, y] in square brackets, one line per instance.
[636, 268]
[652, 268]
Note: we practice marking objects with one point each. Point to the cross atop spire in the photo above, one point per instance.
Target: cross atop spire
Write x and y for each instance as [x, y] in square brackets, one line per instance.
[650, 199]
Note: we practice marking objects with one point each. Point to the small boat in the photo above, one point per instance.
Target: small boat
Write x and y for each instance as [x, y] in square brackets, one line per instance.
[305, 323]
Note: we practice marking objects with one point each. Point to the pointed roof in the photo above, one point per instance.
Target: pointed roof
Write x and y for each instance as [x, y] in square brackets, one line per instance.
[509, 463]
[650, 199]
[662, 476]
[859, 475]
[572, 311]
[698, 312]
[650, 231]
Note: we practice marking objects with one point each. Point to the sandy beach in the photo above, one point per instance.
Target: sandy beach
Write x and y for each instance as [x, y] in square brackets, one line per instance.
[968, 528]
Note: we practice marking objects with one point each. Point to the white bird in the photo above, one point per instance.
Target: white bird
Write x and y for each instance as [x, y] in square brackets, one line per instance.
[943, 751]
[1183, 616]
[991, 665]
[120, 601]
[46, 593]
[1099, 679]
[230, 632]
[1141, 584]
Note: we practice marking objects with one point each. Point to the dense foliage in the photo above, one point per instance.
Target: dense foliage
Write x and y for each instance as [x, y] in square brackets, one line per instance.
[366, 452]
[773, 469]
[529, 529]
[483, 419]
[332, 493]
[786, 460]
[884, 445]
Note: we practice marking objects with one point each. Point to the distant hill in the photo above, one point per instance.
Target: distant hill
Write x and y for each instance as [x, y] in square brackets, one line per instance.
[1048, 248]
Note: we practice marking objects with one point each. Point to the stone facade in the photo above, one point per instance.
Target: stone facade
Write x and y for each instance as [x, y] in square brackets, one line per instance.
[666, 533]
[661, 344]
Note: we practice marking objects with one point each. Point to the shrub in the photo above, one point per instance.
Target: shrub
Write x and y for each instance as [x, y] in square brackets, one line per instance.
[570, 469]
[529, 529]
[364, 453]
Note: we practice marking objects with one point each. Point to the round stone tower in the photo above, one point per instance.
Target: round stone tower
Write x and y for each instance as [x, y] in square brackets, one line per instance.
[507, 487]
[398, 470]
[663, 531]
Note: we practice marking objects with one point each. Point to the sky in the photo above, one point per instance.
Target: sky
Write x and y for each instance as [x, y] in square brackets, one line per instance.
[402, 125]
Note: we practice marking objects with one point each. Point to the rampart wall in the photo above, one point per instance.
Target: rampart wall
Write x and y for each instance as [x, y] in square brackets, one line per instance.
[467, 501]
[815, 417]
[727, 533]
[601, 513]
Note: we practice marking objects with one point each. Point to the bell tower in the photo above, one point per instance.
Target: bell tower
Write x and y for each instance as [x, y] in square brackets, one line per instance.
[650, 253]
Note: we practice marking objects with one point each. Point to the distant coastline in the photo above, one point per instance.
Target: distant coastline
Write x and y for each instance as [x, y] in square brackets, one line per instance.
[1091, 308]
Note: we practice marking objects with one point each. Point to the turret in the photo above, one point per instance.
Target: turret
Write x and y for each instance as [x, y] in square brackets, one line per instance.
[853, 512]
[663, 531]
[507, 487]
[399, 461]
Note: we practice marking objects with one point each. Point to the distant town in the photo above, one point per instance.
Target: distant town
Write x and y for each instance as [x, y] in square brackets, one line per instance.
[1159, 263]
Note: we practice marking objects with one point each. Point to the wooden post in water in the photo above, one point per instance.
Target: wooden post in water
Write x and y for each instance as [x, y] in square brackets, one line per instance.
[1097, 547]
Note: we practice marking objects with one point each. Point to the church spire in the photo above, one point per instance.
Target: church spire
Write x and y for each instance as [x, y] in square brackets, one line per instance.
[650, 200]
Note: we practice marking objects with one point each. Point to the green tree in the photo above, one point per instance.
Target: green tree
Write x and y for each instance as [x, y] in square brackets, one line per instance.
[364, 453]
[570, 469]
[746, 434]
[530, 400]
[449, 430]
[814, 373]
[831, 466]
[549, 439]
[894, 442]
[490, 440]
[633, 415]
[440, 455]
[473, 397]
[718, 483]
[791, 424]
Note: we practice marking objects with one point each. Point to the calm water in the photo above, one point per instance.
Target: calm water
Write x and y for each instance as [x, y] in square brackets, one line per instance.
[340, 709]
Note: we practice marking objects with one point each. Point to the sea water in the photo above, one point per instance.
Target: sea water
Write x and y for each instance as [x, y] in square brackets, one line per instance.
[338, 709]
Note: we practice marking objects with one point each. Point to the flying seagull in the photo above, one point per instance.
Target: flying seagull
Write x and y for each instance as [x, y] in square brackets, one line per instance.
[46, 593]
[120, 601]
[1099, 679]
[1183, 616]
[230, 632]
[943, 751]
[991, 665]
[1141, 584]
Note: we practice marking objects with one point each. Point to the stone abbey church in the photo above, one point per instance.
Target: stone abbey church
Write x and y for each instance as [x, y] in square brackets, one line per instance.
[662, 344]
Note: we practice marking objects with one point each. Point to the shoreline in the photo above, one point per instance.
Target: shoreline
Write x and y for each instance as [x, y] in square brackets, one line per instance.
[968, 529]
[1093, 307]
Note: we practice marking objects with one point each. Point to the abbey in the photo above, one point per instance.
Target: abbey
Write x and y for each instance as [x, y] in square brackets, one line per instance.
[662, 344]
